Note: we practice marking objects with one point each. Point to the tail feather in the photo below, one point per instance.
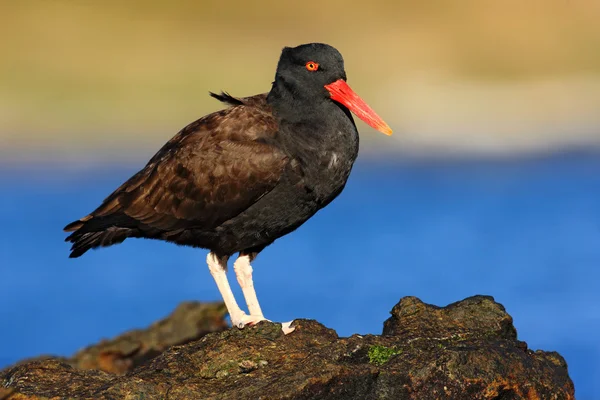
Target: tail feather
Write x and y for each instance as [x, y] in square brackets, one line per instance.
[91, 240]
[73, 226]
[91, 232]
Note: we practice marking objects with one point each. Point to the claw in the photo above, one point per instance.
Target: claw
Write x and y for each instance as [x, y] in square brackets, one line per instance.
[251, 320]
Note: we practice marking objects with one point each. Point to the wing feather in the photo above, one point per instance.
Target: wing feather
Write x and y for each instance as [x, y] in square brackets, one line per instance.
[211, 171]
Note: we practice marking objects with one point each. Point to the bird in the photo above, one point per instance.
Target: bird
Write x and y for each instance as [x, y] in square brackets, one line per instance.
[236, 180]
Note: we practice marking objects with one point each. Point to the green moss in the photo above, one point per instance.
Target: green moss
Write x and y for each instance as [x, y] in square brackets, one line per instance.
[220, 369]
[379, 355]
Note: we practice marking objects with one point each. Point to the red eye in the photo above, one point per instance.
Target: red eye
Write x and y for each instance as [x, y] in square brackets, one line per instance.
[312, 66]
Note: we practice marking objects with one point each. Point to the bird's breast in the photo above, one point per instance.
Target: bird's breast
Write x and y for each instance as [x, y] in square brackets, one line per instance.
[330, 168]
[324, 149]
[334, 160]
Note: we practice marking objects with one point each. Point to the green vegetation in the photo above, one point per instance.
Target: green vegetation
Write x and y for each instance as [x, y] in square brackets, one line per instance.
[379, 355]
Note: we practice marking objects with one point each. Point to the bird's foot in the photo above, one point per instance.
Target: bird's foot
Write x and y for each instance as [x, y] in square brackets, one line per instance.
[247, 320]
[250, 320]
[287, 327]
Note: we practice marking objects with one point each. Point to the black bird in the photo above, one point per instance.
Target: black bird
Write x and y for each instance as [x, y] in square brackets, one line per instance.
[236, 180]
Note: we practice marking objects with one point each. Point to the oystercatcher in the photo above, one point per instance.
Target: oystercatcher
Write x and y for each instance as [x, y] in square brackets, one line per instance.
[236, 180]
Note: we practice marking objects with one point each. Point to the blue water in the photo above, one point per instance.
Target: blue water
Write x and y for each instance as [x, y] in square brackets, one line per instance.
[524, 231]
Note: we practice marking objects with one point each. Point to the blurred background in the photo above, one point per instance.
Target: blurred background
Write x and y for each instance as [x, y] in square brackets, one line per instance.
[490, 184]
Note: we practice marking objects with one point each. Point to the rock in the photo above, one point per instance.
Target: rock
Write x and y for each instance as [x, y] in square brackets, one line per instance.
[467, 350]
[189, 321]
[4, 393]
[477, 315]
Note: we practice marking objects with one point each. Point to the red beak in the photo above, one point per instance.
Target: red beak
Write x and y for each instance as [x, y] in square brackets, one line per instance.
[342, 93]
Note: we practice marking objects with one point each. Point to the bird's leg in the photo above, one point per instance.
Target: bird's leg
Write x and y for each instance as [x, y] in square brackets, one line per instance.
[243, 272]
[218, 269]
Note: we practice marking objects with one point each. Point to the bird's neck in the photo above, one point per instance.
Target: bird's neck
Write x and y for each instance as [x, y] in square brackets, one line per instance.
[305, 111]
[292, 105]
[320, 134]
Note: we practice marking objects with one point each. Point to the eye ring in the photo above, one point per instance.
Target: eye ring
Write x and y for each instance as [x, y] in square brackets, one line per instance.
[312, 66]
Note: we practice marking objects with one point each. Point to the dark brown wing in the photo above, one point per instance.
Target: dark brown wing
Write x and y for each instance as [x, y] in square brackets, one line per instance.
[211, 171]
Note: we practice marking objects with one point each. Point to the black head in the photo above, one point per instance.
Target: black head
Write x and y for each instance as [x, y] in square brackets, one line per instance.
[306, 69]
[310, 78]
